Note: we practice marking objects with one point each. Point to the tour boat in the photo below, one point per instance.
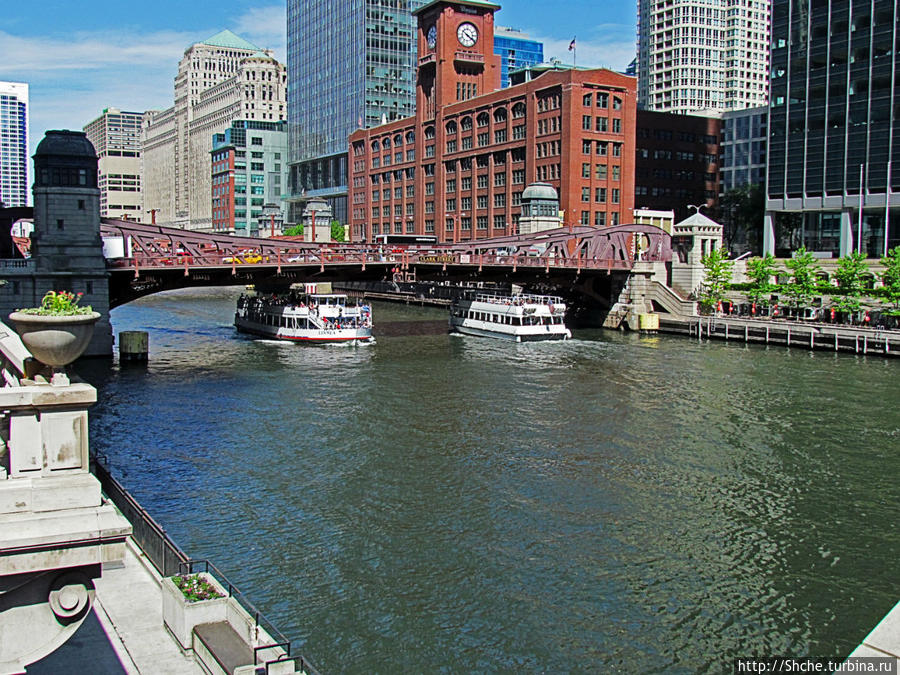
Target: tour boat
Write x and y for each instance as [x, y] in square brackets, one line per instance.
[520, 317]
[310, 318]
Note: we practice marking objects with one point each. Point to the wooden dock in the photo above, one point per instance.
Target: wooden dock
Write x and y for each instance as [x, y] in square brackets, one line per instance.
[808, 335]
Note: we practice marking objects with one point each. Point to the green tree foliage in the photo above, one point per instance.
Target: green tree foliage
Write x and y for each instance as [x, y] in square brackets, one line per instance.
[716, 276]
[891, 276]
[849, 273]
[802, 269]
[337, 231]
[294, 231]
[742, 212]
[760, 271]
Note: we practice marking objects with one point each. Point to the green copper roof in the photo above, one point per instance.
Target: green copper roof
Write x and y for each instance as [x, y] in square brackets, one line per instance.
[472, 3]
[229, 40]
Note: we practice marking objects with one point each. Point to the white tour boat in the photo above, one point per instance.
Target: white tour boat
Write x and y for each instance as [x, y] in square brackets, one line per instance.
[519, 317]
[312, 317]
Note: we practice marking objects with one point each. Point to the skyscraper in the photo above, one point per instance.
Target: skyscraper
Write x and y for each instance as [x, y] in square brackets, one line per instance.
[220, 80]
[516, 50]
[834, 127]
[702, 55]
[116, 136]
[13, 143]
[351, 64]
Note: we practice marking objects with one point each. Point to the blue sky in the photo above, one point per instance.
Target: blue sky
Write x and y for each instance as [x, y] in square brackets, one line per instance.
[79, 58]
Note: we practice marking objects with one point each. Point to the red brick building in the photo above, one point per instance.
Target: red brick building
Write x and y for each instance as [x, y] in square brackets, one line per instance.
[458, 168]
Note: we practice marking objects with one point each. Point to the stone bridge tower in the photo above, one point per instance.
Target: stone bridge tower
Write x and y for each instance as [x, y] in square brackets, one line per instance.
[66, 248]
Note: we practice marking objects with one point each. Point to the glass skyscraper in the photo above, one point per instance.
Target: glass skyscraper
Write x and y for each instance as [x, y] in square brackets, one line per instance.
[833, 126]
[351, 64]
[516, 50]
[13, 144]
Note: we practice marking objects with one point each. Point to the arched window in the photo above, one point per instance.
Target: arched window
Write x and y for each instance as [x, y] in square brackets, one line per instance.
[398, 140]
[483, 119]
[429, 133]
[386, 143]
[451, 127]
[410, 137]
[375, 146]
[465, 123]
[518, 110]
[500, 115]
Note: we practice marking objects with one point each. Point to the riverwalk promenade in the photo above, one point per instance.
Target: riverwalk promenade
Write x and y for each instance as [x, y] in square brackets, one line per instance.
[131, 637]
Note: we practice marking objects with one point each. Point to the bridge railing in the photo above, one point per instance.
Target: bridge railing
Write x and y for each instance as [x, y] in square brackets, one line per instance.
[363, 256]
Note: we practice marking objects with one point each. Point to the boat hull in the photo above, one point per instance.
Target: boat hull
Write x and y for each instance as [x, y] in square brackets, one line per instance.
[482, 329]
[312, 336]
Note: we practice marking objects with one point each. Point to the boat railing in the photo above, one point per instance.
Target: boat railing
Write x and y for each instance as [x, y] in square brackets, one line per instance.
[518, 300]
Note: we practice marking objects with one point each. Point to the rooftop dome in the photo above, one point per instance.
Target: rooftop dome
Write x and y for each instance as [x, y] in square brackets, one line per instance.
[540, 191]
[66, 143]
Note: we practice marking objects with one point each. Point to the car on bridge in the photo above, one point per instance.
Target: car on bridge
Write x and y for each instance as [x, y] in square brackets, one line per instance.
[244, 257]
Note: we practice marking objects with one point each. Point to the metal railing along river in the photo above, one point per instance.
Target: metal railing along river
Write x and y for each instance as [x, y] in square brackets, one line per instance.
[169, 560]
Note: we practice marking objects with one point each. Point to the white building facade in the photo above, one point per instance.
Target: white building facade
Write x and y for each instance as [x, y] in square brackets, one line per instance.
[220, 80]
[703, 55]
[116, 136]
[14, 144]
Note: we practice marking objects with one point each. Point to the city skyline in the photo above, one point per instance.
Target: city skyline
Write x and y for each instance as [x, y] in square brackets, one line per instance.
[80, 59]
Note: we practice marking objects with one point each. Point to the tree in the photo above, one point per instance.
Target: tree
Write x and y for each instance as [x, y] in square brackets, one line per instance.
[802, 285]
[849, 273]
[716, 275]
[891, 276]
[742, 212]
[337, 231]
[761, 271]
[294, 231]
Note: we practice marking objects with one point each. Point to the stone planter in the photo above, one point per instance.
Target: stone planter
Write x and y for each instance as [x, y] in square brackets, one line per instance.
[180, 616]
[55, 340]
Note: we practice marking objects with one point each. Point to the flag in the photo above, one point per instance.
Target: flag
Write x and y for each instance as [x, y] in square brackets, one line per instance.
[359, 122]
[572, 45]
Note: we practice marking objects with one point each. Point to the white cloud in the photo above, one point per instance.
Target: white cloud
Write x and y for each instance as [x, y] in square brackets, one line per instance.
[72, 79]
[266, 27]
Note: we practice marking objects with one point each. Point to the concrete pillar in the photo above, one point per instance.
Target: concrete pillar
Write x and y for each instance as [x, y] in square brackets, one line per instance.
[847, 245]
[769, 233]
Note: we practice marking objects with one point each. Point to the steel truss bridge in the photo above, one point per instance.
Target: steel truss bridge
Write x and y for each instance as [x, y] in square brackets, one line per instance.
[154, 258]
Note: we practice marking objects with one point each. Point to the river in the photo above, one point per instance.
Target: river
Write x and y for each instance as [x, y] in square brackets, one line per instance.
[437, 503]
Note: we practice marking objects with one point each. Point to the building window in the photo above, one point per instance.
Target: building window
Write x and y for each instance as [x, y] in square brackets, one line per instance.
[500, 136]
[586, 122]
[467, 143]
[465, 183]
[451, 146]
[585, 217]
[482, 181]
[600, 195]
[500, 200]
[483, 119]
[617, 149]
[499, 179]
[518, 132]
[585, 194]
[602, 100]
[617, 125]
[588, 100]
[451, 204]
[603, 124]
[482, 201]
[615, 172]
[600, 171]
[585, 170]
[451, 185]
[481, 222]
[483, 138]
[600, 218]
[615, 195]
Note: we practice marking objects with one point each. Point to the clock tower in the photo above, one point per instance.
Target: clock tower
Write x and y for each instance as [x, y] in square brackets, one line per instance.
[456, 59]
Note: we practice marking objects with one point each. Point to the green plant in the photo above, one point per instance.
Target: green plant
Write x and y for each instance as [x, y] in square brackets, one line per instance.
[891, 276]
[760, 271]
[195, 587]
[337, 231]
[59, 303]
[294, 231]
[802, 269]
[716, 276]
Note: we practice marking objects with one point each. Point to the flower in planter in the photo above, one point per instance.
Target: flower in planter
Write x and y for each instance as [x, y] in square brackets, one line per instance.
[195, 587]
[59, 303]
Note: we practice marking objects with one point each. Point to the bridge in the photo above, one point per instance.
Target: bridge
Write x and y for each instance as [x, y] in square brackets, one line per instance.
[144, 259]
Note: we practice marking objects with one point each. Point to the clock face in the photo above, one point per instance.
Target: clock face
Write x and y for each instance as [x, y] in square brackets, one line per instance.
[432, 37]
[467, 34]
